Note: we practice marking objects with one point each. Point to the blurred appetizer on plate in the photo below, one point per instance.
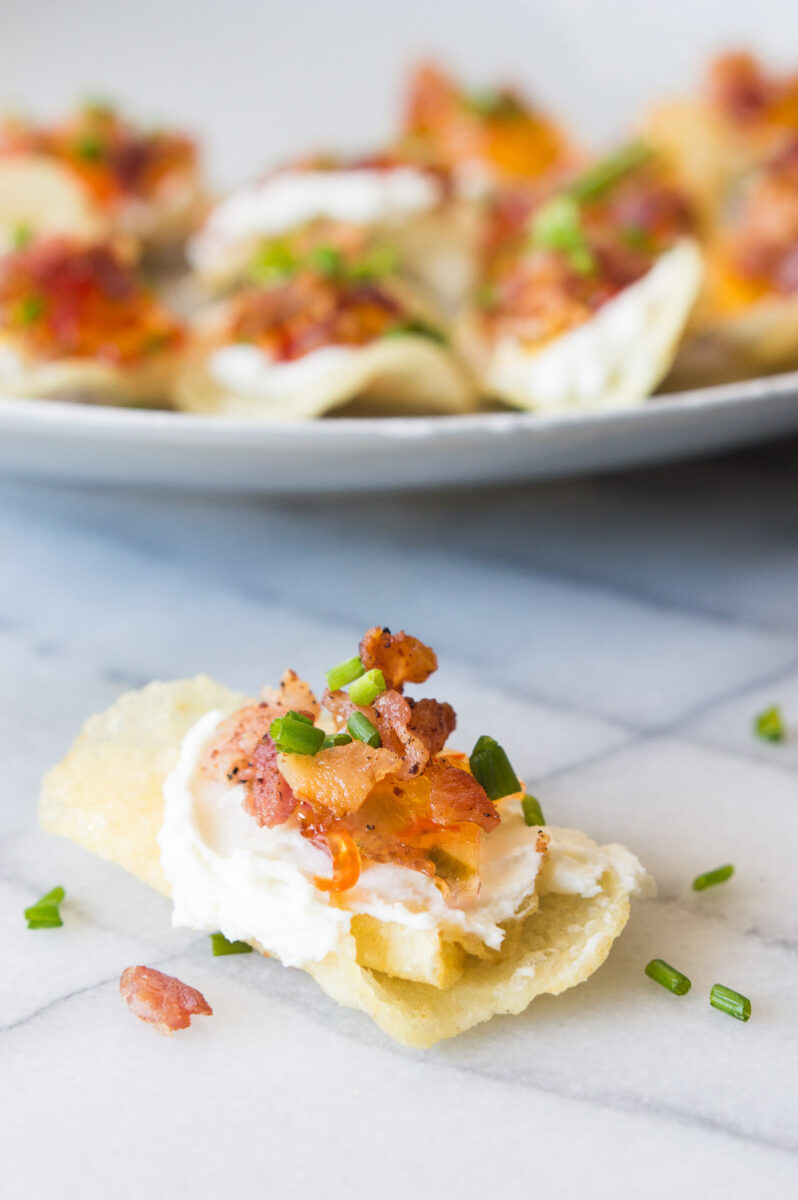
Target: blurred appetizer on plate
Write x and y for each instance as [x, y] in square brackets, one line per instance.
[482, 139]
[96, 175]
[742, 116]
[78, 323]
[322, 324]
[341, 836]
[387, 200]
[583, 294]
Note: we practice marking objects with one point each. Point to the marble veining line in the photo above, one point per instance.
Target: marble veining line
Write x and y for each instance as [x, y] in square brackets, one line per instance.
[704, 707]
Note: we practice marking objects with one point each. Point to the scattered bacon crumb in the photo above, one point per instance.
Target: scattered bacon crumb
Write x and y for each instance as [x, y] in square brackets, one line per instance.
[433, 722]
[401, 658]
[161, 1000]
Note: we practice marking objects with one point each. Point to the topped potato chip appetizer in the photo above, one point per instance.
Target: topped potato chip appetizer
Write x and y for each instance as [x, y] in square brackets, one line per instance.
[342, 836]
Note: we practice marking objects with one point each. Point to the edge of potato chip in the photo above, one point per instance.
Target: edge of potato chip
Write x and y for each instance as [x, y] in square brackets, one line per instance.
[116, 813]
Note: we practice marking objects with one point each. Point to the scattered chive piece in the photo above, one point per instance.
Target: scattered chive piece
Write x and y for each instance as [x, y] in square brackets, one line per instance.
[342, 674]
[731, 1002]
[362, 729]
[327, 260]
[294, 734]
[416, 328]
[557, 225]
[490, 766]
[710, 878]
[376, 264]
[487, 103]
[21, 235]
[220, 945]
[593, 184]
[666, 975]
[45, 914]
[769, 725]
[368, 687]
[533, 813]
[298, 716]
[335, 739]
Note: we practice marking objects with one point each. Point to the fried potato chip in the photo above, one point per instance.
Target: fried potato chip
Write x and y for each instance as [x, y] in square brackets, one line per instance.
[106, 795]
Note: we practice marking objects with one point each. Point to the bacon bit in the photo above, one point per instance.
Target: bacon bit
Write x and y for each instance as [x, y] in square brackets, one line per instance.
[161, 1000]
[392, 716]
[738, 86]
[270, 799]
[229, 756]
[456, 796]
[309, 311]
[69, 300]
[401, 658]
[432, 722]
[293, 694]
[341, 847]
[336, 782]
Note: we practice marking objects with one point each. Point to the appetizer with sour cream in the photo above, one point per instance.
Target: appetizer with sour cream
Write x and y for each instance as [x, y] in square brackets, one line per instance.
[321, 324]
[343, 836]
[583, 294]
[78, 323]
[96, 175]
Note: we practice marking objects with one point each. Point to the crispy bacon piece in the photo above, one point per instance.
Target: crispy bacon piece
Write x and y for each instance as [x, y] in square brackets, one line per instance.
[432, 722]
[229, 756]
[337, 781]
[392, 716]
[293, 694]
[161, 1000]
[270, 799]
[457, 796]
[311, 310]
[69, 300]
[401, 658]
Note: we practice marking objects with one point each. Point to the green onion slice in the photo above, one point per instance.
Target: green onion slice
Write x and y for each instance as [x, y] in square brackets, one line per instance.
[368, 687]
[710, 878]
[557, 225]
[533, 813]
[220, 946]
[602, 177]
[45, 913]
[490, 766]
[89, 147]
[362, 729]
[769, 725]
[336, 739]
[295, 734]
[339, 676]
[666, 975]
[21, 235]
[414, 327]
[327, 260]
[728, 1001]
[273, 263]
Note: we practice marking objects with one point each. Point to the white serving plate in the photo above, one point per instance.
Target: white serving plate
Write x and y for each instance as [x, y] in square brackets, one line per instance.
[82, 443]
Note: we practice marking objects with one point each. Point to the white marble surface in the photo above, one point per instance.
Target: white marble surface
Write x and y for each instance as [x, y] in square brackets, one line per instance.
[619, 634]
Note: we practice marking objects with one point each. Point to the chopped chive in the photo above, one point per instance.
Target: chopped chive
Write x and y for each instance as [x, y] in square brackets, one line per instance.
[769, 725]
[731, 1002]
[557, 225]
[21, 235]
[294, 734]
[327, 260]
[335, 739]
[490, 766]
[710, 878]
[220, 946]
[89, 147]
[488, 103]
[599, 179]
[368, 687]
[298, 716]
[533, 813]
[45, 913]
[362, 729]
[273, 263]
[415, 328]
[342, 674]
[376, 264]
[29, 310]
[666, 975]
